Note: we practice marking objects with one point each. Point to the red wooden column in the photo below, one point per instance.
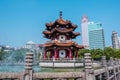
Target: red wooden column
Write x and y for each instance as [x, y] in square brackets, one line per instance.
[76, 53]
[70, 54]
[44, 54]
[66, 54]
[55, 53]
[50, 54]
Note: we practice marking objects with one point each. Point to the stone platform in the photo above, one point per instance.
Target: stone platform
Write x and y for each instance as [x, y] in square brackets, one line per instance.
[76, 63]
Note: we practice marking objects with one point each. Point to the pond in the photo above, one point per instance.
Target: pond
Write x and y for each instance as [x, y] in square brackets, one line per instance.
[19, 68]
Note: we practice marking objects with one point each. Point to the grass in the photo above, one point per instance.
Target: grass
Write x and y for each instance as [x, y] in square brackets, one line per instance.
[62, 70]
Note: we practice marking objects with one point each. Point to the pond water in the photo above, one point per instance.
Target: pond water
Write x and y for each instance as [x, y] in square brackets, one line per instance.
[19, 68]
[16, 68]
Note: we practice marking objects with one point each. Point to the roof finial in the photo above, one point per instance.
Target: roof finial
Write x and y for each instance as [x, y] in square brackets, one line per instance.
[60, 14]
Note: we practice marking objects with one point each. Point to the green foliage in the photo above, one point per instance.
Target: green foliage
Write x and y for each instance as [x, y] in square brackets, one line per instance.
[98, 53]
[19, 54]
[3, 54]
[117, 54]
[109, 52]
[82, 51]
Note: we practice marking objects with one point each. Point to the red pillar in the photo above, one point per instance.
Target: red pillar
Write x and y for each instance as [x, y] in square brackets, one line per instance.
[57, 36]
[55, 54]
[50, 54]
[44, 54]
[66, 54]
[77, 54]
[70, 54]
[67, 37]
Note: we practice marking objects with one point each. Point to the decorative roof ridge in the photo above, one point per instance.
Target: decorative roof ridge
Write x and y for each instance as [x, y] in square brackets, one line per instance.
[76, 33]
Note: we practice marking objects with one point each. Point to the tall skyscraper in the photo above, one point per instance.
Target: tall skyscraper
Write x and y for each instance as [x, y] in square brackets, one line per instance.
[84, 28]
[96, 36]
[115, 40]
[119, 40]
[92, 34]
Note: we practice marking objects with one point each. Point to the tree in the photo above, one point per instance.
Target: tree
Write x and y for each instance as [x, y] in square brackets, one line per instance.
[109, 52]
[82, 51]
[96, 53]
[117, 53]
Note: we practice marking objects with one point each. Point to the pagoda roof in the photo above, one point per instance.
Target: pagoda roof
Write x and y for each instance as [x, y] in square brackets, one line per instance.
[73, 34]
[60, 21]
[61, 30]
[67, 44]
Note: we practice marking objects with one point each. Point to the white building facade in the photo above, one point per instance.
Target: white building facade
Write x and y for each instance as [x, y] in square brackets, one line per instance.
[84, 27]
[115, 40]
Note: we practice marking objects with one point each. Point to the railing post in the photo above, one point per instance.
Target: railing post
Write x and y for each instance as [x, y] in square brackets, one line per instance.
[116, 61]
[111, 61]
[119, 61]
[104, 64]
[88, 67]
[28, 74]
[119, 68]
[112, 64]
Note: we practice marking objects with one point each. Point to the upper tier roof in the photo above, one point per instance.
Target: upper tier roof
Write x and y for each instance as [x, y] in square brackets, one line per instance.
[61, 22]
[60, 26]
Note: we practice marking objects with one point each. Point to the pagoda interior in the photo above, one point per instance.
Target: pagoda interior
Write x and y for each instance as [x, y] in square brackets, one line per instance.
[61, 32]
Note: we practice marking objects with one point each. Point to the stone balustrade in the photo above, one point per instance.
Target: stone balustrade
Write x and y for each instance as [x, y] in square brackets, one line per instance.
[109, 71]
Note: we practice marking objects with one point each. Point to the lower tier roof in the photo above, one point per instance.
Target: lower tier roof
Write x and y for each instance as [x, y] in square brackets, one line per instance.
[63, 44]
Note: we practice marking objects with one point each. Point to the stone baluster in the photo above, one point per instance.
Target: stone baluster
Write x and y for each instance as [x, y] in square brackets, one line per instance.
[112, 64]
[88, 67]
[104, 65]
[116, 61]
[119, 61]
[111, 61]
[28, 66]
[119, 68]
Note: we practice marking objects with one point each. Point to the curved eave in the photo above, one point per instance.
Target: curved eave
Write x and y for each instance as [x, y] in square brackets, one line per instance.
[64, 45]
[80, 46]
[46, 32]
[75, 34]
[64, 30]
[58, 30]
[61, 22]
[58, 44]
[49, 24]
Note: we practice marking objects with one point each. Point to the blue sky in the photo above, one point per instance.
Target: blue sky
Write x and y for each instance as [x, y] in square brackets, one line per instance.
[24, 20]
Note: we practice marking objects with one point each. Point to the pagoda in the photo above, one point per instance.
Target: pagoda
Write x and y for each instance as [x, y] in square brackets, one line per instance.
[61, 32]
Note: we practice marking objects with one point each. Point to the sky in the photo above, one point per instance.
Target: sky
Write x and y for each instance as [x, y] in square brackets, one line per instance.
[24, 20]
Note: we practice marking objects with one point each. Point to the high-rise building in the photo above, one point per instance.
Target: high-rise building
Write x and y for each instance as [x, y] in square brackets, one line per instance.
[119, 40]
[96, 36]
[84, 28]
[92, 34]
[115, 40]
